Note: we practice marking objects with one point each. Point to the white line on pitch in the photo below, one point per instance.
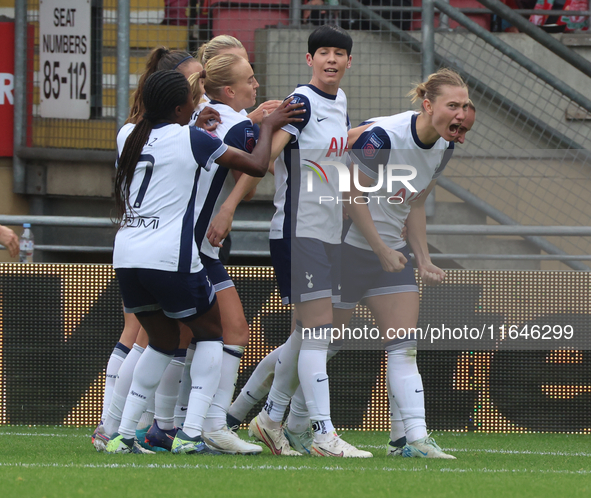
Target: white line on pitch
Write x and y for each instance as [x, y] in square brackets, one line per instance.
[287, 468]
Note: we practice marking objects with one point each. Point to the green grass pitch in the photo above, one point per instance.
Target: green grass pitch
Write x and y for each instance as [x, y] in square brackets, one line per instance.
[61, 462]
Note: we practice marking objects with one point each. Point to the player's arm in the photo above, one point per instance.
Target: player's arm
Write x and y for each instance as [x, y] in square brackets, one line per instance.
[221, 225]
[391, 260]
[417, 238]
[257, 162]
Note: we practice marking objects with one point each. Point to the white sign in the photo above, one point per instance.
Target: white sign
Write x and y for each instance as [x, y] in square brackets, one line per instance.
[64, 46]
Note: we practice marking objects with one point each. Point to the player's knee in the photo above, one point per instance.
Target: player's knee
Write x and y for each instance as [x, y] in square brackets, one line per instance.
[236, 332]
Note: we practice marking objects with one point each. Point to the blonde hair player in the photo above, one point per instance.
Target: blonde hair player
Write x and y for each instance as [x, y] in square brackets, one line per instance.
[226, 44]
[382, 274]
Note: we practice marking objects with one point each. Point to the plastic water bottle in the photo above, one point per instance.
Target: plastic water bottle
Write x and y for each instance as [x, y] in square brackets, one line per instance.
[27, 245]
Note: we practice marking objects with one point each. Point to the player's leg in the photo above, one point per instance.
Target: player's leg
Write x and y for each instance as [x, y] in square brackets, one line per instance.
[298, 430]
[161, 433]
[163, 334]
[180, 410]
[266, 426]
[122, 348]
[205, 377]
[319, 266]
[235, 332]
[256, 388]
[399, 312]
[121, 391]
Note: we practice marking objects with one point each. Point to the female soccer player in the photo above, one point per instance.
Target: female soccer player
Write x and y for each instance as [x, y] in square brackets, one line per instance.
[133, 339]
[305, 246]
[226, 44]
[155, 255]
[231, 85]
[376, 260]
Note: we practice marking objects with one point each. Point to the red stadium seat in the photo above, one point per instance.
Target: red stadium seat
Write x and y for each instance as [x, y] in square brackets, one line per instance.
[240, 19]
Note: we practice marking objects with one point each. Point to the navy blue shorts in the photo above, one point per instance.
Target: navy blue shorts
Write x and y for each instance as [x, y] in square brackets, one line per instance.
[362, 276]
[183, 296]
[218, 275]
[306, 269]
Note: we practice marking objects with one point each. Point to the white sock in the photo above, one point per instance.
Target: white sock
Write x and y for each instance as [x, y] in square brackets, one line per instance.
[167, 394]
[397, 432]
[298, 419]
[285, 382]
[312, 373]
[407, 387]
[119, 354]
[147, 418]
[146, 376]
[216, 415]
[257, 386]
[121, 389]
[180, 410]
[205, 378]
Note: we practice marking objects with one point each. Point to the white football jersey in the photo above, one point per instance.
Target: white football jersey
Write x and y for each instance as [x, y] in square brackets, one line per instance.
[216, 184]
[159, 231]
[394, 141]
[322, 135]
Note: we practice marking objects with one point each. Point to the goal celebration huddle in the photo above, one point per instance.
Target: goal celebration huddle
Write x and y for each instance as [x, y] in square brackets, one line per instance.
[188, 155]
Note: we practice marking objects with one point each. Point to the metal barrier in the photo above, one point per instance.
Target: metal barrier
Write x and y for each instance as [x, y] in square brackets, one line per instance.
[264, 226]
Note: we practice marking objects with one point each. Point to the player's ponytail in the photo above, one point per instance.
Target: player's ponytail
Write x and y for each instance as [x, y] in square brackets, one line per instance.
[220, 74]
[195, 84]
[159, 59]
[213, 47]
[431, 89]
[162, 93]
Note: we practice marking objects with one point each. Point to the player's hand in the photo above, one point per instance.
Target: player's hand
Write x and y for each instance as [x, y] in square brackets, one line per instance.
[392, 261]
[219, 228]
[9, 239]
[284, 114]
[256, 116]
[431, 275]
[208, 119]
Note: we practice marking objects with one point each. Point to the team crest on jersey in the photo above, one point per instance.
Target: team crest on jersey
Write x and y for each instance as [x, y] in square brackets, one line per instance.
[249, 140]
[296, 100]
[371, 146]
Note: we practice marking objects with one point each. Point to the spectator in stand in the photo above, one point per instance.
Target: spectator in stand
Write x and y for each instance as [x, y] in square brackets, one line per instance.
[559, 24]
[9, 239]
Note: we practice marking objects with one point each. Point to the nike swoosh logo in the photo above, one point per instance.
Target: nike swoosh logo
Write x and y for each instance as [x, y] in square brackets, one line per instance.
[321, 380]
[321, 119]
[422, 453]
[183, 409]
[274, 450]
[417, 391]
[248, 394]
[341, 454]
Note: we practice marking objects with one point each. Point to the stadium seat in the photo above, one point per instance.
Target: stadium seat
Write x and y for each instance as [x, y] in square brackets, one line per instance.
[241, 18]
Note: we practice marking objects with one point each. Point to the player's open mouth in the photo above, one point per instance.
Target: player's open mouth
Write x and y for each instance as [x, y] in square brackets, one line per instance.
[453, 129]
[331, 70]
